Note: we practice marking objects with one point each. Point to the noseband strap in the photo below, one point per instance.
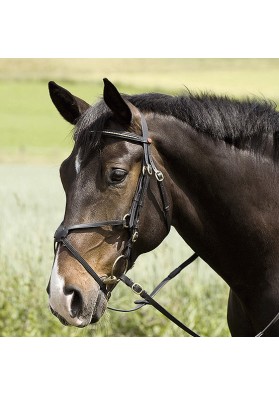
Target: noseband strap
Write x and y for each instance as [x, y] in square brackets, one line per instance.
[131, 220]
[83, 262]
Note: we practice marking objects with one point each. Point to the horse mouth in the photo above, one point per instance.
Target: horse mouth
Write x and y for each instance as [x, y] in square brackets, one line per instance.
[100, 307]
[61, 319]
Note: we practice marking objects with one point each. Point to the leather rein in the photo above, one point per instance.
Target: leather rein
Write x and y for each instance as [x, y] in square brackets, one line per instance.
[131, 222]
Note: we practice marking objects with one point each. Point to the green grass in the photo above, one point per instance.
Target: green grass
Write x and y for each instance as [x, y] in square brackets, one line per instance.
[34, 139]
[33, 131]
[232, 76]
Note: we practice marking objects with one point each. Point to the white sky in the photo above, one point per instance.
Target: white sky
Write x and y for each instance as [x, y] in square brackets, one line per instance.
[145, 28]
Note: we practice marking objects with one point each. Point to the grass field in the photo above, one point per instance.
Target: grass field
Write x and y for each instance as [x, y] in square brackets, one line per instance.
[32, 131]
[33, 141]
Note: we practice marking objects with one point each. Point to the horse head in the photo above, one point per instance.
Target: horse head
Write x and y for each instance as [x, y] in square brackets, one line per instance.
[108, 221]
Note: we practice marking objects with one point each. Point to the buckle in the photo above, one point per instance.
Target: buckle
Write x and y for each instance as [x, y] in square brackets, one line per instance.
[137, 288]
[159, 176]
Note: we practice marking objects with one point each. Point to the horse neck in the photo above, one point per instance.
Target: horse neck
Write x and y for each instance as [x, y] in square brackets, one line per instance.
[224, 201]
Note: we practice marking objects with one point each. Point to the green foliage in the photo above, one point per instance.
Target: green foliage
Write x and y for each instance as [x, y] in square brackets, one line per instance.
[33, 131]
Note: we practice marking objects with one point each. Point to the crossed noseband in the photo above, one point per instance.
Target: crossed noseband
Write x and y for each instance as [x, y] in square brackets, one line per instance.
[130, 221]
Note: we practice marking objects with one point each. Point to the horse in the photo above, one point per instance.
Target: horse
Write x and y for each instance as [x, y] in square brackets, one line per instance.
[205, 164]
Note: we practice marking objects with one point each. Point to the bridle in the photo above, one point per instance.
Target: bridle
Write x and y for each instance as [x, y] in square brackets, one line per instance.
[130, 222]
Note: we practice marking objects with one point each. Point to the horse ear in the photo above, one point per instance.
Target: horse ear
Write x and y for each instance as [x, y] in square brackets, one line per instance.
[68, 105]
[116, 103]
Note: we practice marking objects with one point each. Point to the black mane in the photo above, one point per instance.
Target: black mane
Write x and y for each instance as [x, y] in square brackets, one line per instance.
[249, 123]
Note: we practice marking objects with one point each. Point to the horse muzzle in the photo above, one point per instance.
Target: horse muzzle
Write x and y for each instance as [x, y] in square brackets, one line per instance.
[75, 308]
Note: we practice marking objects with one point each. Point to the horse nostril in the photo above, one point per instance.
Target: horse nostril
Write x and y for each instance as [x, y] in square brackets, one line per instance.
[76, 304]
[76, 301]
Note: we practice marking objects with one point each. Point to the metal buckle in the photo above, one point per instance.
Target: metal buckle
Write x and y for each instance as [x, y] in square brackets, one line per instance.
[135, 286]
[159, 176]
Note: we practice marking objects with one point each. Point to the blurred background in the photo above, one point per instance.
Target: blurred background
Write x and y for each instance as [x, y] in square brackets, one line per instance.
[34, 139]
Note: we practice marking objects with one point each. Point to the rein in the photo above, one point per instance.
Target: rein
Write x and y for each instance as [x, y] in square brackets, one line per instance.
[130, 222]
[148, 298]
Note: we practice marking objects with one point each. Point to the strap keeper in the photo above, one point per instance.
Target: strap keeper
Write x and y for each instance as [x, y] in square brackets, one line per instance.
[141, 302]
[126, 220]
[135, 236]
[147, 168]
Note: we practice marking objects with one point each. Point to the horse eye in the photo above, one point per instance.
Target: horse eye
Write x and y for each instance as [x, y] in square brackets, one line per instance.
[117, 175]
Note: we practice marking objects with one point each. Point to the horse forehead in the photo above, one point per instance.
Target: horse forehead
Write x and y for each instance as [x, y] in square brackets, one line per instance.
[74, 164]
[112, 151]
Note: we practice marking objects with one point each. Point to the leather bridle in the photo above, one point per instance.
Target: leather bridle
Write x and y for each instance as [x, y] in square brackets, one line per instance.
[130, 220]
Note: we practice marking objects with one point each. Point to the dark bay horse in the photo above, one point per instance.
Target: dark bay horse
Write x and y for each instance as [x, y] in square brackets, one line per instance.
[218, 160]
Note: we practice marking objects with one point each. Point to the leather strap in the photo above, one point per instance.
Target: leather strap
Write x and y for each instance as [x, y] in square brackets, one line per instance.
[84, 263]
[271, 323]
[126, 136]
[173, 274]
[140, 291]
[112, 223]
